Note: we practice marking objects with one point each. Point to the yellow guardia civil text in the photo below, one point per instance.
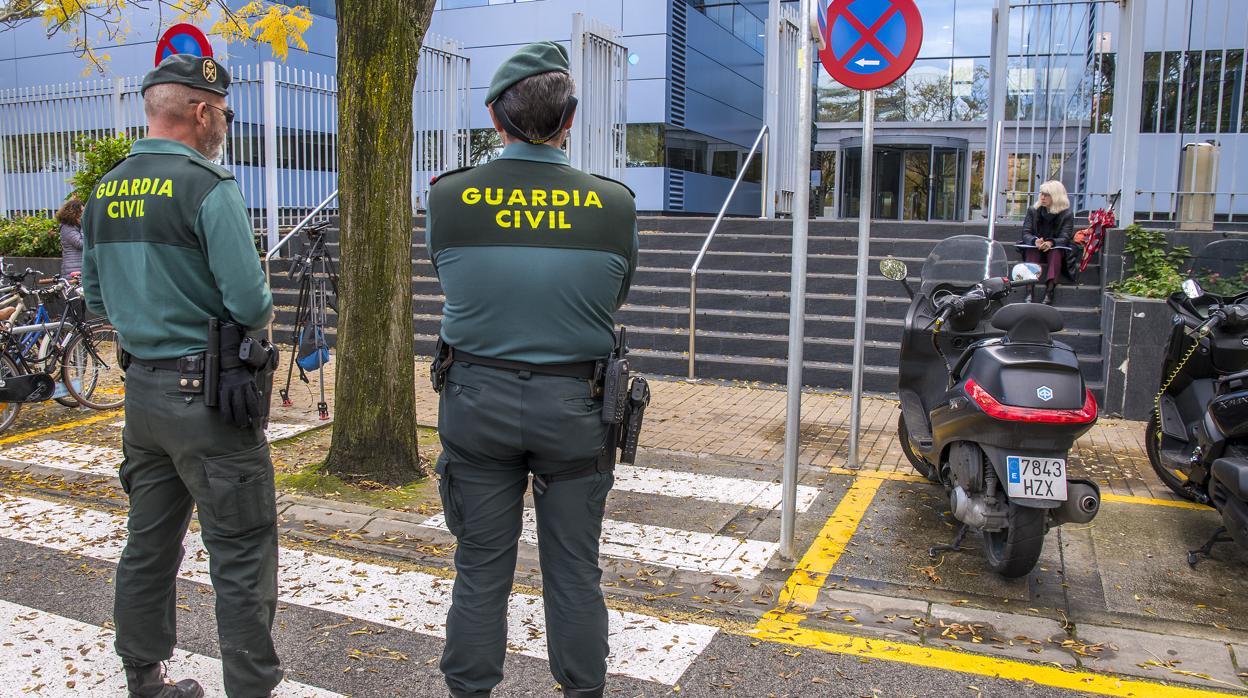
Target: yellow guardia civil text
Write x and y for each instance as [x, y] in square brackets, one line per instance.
[127, 196]
[542, 208]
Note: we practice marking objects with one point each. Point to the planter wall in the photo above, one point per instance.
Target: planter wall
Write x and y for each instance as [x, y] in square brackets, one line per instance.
[1133, 346]
[1115, 262]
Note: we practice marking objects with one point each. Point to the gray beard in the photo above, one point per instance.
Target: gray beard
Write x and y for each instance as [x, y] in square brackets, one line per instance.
[211, 148]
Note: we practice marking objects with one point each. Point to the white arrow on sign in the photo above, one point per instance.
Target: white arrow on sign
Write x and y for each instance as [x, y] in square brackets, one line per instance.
[862, 62]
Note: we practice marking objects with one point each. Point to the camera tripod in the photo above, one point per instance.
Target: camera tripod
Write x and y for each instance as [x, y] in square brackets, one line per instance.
[318, 294]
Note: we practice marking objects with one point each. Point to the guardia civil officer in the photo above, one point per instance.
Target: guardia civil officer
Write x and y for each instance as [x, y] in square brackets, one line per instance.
[168, 247]
[534, 257]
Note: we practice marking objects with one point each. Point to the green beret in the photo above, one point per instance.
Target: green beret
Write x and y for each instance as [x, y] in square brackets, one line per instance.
[534, 59]
[193, 71]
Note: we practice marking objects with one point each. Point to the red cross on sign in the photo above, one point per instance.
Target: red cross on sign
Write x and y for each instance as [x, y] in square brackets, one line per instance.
[870, 43]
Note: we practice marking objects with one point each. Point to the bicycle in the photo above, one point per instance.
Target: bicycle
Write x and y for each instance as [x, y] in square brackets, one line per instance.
[73, 348]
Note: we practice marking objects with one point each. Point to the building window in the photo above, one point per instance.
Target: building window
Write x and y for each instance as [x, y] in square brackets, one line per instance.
[977, 181]
[645, 145]
[736, 19]
[834, 102]
[701, 154]
[1193, 92]
[724, 163]
[324, 8]
[928, 91]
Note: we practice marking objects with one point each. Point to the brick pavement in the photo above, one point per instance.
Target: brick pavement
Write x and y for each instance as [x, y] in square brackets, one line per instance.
[747, 422]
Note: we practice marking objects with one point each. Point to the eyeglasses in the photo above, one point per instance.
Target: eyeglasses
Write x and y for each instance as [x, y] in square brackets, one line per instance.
[228, 112]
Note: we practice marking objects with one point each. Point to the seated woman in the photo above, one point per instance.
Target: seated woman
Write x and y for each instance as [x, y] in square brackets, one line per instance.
[1047, 232]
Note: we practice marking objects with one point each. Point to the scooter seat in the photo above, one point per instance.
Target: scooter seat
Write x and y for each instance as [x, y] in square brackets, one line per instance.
[1233, 474]
[1028, 322]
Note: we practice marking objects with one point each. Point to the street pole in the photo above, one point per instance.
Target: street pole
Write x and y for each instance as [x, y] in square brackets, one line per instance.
[797, 295]
[864, 257]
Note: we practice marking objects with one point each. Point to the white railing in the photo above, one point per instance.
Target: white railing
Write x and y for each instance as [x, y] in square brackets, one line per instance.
[599, 60]
[440, 114]
[282, 146]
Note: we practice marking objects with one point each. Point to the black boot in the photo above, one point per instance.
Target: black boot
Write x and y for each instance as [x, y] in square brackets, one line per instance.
[466, 694]
[149, 682]
[1050, 293]
[584, 692]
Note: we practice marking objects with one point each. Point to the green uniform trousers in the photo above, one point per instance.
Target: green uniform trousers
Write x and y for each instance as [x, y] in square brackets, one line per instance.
[498, 426]
[179, 454]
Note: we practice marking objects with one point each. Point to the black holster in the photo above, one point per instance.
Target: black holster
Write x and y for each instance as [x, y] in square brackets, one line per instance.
[230, 348]
[443, 357]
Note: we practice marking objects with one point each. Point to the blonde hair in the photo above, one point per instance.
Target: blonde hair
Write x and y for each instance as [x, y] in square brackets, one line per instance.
[1057, 192]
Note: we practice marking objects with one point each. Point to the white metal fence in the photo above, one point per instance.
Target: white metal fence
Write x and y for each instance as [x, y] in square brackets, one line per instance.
[600, 68]
[441, 118]
[784, 138]
[282, 146]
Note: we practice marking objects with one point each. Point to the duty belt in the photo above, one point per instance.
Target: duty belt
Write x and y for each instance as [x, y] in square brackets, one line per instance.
[159, 364]
[584, 370]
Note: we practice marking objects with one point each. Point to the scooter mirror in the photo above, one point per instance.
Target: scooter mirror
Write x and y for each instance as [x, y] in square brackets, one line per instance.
[893, 268]
[1192, 289]
[1025, 272]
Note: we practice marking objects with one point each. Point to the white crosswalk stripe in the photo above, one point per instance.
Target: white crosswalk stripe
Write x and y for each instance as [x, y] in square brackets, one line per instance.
[708, 488]
[102, 460]
[645, 543]
[643, 647]
[79, 458]
[669, 547]
[48, 655]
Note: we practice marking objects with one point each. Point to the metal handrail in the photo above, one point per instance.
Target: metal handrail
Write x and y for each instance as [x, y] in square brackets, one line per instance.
[268, 257]
[764, 139]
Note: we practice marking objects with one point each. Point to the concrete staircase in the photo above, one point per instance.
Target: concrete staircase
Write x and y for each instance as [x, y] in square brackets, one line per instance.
[743, 300]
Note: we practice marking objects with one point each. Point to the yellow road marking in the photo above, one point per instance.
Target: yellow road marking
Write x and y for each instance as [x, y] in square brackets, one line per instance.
[774, 630]
[1176, 503]
[810, 573]
[102, 416]
[881, 475]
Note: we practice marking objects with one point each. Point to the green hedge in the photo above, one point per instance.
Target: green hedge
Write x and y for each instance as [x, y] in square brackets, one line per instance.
[30, 236]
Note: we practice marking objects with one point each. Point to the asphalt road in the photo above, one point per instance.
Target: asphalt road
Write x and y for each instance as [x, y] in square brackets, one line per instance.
[331, 650]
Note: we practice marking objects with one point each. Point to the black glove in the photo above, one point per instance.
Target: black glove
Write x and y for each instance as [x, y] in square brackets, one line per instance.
[239, 399]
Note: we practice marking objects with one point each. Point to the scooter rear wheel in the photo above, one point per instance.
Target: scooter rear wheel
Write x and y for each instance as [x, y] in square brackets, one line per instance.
[919, 463]
[1013, 552]
[1152, 445]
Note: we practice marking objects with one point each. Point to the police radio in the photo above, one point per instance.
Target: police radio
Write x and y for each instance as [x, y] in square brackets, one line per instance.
[615, 382]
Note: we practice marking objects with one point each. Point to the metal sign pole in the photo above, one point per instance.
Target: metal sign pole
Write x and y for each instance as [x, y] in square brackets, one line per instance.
[992, 194]
[865, 206]
[797, 296]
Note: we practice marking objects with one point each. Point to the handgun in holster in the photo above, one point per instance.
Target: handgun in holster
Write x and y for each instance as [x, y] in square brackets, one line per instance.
[229, 348]
[443, 357]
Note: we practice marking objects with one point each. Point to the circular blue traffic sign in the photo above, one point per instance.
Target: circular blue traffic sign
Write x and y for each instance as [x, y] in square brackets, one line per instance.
[183, 38]
[870, 43]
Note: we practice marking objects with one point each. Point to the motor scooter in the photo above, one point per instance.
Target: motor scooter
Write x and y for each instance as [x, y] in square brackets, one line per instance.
[990, 403]
[1197, 437]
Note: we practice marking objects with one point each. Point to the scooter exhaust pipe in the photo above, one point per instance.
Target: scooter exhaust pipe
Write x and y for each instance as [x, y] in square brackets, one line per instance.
[1083, 501]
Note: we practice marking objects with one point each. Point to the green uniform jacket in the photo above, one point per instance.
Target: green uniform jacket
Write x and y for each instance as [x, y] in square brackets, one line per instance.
[533, 255]
[167, 244]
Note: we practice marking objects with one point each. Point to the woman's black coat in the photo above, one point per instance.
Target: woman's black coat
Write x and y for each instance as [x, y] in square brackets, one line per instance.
[1057, 227]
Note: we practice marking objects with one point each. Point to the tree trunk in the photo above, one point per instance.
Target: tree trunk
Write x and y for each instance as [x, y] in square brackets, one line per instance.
[375, 396]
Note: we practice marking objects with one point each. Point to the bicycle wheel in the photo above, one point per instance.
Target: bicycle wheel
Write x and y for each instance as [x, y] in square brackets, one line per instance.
[8, 410]
[87, 372]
